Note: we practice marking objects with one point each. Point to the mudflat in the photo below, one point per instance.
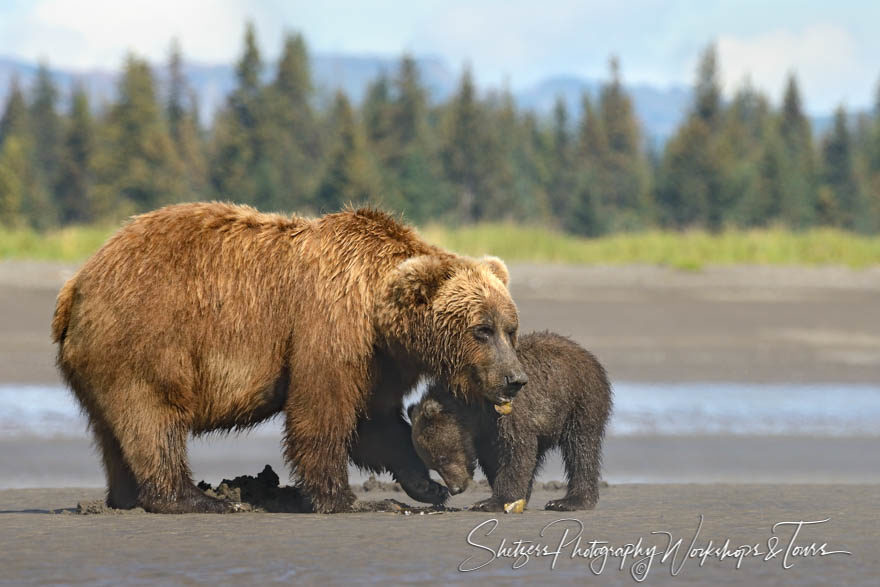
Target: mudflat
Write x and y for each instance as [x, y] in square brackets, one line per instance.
[747, 324]
[43, 541]
[646, 324]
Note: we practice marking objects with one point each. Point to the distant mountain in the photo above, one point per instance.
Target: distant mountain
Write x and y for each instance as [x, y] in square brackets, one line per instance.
[660, 110]
[212, 83]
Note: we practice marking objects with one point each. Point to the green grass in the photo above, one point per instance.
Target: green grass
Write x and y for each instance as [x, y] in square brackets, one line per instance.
[689, 250]
[74, 243]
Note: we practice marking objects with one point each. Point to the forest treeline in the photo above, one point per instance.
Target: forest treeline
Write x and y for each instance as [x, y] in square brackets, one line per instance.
[737, 163]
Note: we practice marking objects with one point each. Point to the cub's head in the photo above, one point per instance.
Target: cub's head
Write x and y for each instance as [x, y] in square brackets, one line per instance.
[455, 316]
[443, 443]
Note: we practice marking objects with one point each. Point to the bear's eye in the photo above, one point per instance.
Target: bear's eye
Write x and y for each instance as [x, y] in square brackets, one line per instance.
[483, 333]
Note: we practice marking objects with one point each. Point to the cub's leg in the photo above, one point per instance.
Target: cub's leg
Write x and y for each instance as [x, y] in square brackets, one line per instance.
[581, 446]
[517, 462]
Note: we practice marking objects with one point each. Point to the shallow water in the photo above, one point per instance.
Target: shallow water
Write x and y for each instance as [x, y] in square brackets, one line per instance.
[639, 409]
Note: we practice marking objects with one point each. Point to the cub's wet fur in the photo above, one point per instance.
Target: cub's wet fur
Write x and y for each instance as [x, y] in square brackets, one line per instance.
[565, 404]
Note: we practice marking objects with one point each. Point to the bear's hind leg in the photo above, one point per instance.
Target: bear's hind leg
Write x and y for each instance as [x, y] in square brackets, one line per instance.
[121, 484]
[122, 491]
[151, 440]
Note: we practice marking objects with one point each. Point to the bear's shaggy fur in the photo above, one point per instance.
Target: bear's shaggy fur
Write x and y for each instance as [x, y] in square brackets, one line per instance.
[210, 316]
[566, 404]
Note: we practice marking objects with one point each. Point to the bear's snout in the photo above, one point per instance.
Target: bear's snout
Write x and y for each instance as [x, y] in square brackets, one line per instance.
[514, 382]
[456, 488]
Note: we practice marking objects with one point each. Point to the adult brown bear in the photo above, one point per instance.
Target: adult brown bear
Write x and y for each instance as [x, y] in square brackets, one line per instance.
[210, 316]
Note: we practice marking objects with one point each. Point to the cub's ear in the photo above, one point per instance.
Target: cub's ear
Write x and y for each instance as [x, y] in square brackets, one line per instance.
[430, 408]
[497, 267]
[419, 278]
[409, 412]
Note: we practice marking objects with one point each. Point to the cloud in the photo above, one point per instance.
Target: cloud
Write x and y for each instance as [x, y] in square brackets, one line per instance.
[95, 33]
[519, 41]
[825, 59]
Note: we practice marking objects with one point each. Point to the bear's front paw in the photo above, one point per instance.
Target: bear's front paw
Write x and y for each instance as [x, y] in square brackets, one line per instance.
[425, 490]
[569, 504]
[488, 505]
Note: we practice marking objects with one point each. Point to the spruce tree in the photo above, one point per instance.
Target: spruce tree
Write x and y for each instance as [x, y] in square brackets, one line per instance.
[181, 114]
[467, 152]
[873, 162]
[533, 162]
[838, 175]
[14, 156]
[75, 176]
[14, 120]
[14, 170]
[746, 124]
[592, 139]
[378, 118]
[350, 177]
[46, 125]
[293, 130]
[141, 164]
[561, 190]
[410, 157]
[175, 109]
[24, 196]
[707, 93]
[625, 190]
[410, 103]
[590, 184]
[239, 169]
[799, 203]
[690, 182]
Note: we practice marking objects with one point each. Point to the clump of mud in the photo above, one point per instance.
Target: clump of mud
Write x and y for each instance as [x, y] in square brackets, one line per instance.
[262, 493]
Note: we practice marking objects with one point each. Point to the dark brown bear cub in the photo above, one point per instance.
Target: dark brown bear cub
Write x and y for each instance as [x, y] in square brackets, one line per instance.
[565, 404]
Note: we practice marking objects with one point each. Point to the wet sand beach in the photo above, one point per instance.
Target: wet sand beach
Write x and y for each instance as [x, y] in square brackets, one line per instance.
[752, 325]
[38, 547]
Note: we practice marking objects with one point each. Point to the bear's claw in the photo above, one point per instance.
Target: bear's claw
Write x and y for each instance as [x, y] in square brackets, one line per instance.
[488, 505]
[568, 504]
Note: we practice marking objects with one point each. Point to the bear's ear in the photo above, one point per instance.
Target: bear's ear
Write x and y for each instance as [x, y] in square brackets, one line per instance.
[409, 412]
[419, 278]
[498, 268]
[430, 408]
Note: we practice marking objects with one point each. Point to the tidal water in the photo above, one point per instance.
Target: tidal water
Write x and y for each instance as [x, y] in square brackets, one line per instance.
[639, 409]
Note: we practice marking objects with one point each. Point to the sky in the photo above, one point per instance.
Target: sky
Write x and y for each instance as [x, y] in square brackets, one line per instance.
[833, 47]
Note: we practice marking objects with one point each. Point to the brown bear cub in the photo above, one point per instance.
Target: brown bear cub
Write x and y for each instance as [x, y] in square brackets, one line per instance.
[565, 404]
[210, 316]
